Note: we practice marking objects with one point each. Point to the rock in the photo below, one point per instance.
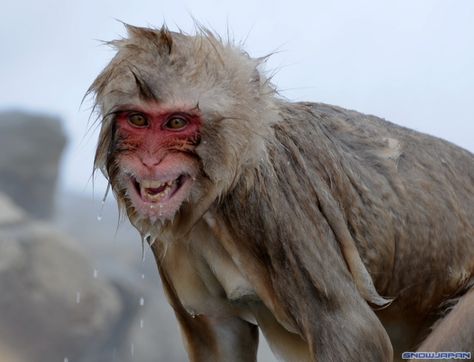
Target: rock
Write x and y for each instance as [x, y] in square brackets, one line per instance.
[30, 151]
[52, 307]
[10, 213]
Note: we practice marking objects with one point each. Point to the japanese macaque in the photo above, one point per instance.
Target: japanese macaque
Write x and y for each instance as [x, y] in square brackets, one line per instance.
[343, 237]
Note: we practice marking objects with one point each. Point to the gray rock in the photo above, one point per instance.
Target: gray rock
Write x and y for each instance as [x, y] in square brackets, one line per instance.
[53, 308]
[30, 151]
[9, 212]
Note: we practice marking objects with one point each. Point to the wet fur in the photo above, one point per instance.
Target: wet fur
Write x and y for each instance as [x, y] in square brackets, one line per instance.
[338, 211]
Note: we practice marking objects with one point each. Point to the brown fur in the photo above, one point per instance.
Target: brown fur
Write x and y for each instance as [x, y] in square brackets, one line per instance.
[315, 211]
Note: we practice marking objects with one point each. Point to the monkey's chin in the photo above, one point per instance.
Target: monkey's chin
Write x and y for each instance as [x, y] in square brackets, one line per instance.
[158, 200]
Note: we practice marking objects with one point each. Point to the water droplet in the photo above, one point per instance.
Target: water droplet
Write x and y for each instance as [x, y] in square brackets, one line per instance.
[145, 239]
[78, 297]
[141, 323]
[142, 301]
[143, 249]
[102, 203]
[66, 359]
[143, 276]
[132, 349]
[96, 273]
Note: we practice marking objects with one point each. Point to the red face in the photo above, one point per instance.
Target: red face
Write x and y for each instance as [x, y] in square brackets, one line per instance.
[155, 147]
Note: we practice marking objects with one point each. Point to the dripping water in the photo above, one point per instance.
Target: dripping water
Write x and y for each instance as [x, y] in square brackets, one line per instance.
[192, 313]
[102, 203]
[145, 238]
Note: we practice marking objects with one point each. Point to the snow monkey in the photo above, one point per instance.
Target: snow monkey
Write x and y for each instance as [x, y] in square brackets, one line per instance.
[343, 237]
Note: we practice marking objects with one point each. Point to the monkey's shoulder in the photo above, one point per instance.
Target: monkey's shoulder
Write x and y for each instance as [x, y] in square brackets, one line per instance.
[355, 130]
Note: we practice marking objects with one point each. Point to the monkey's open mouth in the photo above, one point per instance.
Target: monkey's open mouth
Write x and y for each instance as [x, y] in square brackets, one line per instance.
[155, 191]
[159, 199]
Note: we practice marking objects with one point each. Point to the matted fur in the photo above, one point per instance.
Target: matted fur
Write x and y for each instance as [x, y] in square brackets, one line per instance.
[321, 209]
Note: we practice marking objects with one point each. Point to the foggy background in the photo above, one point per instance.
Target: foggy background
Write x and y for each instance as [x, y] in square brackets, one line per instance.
[410, 62]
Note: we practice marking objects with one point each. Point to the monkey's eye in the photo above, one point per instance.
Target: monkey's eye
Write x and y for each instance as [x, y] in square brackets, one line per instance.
[176, 123]
[137, 120]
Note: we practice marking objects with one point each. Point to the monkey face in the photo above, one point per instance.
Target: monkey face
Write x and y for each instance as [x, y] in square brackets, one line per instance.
[155, 157]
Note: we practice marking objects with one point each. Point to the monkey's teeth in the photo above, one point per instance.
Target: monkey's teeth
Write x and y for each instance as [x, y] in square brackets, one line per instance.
[150, 184]
[154, 191]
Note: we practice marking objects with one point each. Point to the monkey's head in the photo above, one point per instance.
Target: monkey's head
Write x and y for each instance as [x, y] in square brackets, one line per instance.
[183, 117]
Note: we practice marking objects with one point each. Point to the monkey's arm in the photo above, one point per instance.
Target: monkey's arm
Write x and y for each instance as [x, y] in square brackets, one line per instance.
[215, 335]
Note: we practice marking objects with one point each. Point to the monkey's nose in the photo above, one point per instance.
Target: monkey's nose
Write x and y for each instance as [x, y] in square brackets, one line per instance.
[150, 161]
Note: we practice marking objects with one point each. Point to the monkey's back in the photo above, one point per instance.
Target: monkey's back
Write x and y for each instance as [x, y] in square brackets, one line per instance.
[407, 198]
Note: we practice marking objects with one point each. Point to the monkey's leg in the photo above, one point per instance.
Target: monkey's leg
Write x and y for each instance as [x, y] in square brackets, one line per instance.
[455, 332]
[209, 339]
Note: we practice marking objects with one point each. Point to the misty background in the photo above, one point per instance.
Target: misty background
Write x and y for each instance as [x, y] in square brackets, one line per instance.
[410, 62]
